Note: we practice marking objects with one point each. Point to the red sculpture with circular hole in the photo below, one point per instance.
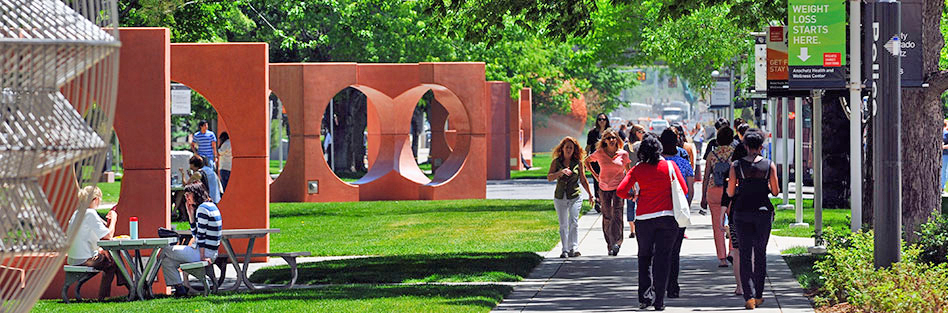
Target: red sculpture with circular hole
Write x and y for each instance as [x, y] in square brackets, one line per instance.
[392, 92]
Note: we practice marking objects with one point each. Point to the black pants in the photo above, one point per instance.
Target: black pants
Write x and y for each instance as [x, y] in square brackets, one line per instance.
[656, 238]
[753, 232]
[675, 257]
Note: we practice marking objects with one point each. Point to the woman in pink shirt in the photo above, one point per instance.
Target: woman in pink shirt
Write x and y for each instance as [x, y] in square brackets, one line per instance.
[613, 163]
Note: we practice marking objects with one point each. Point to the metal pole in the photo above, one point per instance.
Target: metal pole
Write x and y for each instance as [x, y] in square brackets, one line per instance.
[785, 130]
[887, 138]
[332, 145]
[798, 162]
[730, 108]
[855, 116]
[818, 164]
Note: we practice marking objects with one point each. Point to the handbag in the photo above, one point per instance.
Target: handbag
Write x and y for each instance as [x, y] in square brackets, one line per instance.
[679, 200]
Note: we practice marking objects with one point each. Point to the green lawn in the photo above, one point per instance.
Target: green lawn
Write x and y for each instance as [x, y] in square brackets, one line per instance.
[836, 218]
[801, 265]
[541, 165]
[345, 298]
[412, 242]
[413, 227]
[110, 191]
[417, 268]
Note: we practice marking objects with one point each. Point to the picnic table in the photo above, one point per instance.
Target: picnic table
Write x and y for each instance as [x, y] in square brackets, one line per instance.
[251, 235]
[142, 274]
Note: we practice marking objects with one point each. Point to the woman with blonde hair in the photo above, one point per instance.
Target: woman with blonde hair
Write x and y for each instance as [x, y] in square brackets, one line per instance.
[613, 163]
[85, 250]
[568, 171]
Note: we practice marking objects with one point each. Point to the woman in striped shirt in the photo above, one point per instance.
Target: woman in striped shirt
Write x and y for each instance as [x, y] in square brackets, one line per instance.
[206, 228]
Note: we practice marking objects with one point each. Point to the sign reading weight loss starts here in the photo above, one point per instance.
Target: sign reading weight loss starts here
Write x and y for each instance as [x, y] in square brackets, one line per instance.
[817, 44]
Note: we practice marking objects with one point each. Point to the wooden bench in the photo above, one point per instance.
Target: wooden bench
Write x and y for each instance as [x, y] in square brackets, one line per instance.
[76, 274]
[202, 271]
[290, 258]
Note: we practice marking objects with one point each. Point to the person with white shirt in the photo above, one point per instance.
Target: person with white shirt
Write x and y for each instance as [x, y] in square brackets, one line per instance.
[85, 250]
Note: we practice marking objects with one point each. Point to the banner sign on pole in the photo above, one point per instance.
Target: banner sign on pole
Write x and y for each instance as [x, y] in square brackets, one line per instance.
[760, 63]
[721, 95]
[180, 99]
[817, 35]
[911, 40]
[777, 58]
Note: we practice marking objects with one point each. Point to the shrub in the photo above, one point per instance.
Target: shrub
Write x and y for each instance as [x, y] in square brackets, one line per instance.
[850, 276]
[933, 240]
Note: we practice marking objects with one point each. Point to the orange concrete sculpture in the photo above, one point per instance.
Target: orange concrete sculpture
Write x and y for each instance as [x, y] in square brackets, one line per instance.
[521, 131]
[143, 126]
[499, 122]
[239, 94]
[393, 91]
[304, 107]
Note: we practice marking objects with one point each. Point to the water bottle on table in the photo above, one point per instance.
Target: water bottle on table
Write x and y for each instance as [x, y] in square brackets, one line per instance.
[133, 227]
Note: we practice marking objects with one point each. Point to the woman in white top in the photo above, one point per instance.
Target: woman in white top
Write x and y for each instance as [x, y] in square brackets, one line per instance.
[85, 250]
[226, 159]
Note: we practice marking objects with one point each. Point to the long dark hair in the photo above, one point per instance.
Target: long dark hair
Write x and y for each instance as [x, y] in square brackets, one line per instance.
[669, 140]
[198, 191]
[597, 122]
[223, 138]
[650, 150]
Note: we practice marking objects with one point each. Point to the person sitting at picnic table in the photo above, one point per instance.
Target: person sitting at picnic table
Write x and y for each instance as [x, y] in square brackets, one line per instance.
[206, 226]
[85, 250]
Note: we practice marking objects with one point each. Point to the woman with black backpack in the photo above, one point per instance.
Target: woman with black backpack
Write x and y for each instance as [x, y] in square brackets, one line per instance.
[751, 179]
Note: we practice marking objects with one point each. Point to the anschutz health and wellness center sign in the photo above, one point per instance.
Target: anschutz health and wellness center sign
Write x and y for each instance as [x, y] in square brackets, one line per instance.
[817, 44]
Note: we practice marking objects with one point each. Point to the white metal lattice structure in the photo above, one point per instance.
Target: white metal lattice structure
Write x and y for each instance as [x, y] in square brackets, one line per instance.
[58, 82]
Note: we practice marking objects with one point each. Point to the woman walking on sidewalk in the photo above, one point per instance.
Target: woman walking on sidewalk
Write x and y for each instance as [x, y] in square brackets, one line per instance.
[751, 178]
[592, 143]
[636, 133]
[568, 171]
[672, 151]
[613, 164]
[654, 220]
[715, 177]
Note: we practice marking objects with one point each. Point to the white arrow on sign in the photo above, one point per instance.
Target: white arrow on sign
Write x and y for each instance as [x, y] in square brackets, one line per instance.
[803, 54]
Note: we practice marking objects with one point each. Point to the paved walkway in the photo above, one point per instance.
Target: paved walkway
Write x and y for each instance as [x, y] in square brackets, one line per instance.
[596, 282]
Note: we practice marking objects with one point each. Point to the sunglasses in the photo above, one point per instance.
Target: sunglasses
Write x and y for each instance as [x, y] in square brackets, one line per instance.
[601, 119]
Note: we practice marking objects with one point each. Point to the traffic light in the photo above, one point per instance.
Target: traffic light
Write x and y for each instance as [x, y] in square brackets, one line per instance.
[640, 76]
[673, 82]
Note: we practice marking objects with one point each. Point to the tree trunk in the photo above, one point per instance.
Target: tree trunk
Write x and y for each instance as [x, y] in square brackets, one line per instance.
[349, 138]
[921, 122]
[835, 151]
[417, 127]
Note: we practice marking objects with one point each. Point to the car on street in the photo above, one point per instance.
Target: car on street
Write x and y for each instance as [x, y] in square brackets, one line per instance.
[658, 126]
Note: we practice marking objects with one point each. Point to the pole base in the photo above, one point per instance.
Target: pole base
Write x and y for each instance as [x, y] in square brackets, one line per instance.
[799, 225]
[785, 207]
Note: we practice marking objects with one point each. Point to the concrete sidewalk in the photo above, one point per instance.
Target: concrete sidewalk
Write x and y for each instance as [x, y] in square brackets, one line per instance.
[596, 282]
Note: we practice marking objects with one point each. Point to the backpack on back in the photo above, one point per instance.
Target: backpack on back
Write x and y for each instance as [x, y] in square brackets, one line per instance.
[721, 169]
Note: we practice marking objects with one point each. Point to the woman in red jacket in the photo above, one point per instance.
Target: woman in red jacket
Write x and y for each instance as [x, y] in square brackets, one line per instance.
[655, 225]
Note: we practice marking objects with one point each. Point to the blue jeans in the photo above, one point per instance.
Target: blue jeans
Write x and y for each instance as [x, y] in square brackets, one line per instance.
[944, 171]
[630, 210]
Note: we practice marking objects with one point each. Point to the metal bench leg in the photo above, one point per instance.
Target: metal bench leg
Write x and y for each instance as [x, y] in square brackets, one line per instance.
[70, 279]
[210, 274]
[291, 261]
